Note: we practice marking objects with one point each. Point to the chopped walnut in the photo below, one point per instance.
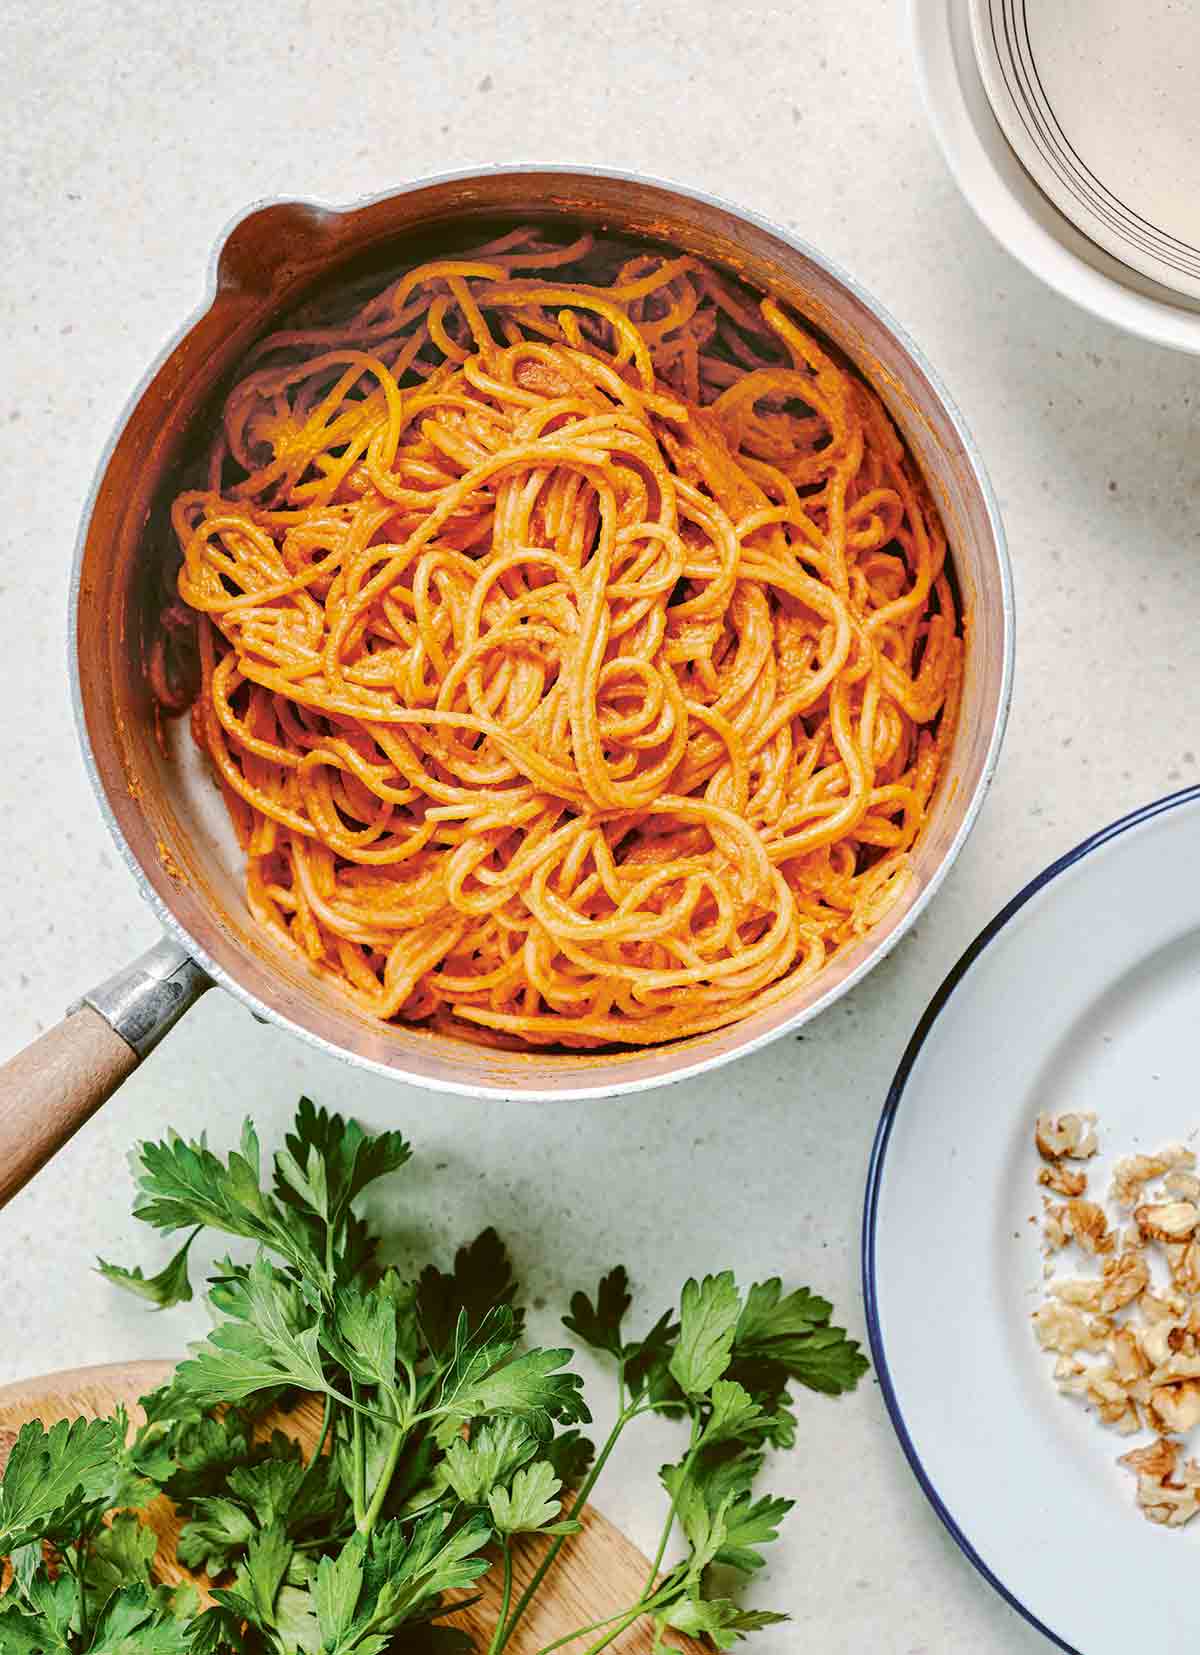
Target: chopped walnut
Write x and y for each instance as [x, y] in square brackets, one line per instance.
[1178, 1364]
[1122, 1347]
[1175, 1407]
[1124, 1278]
[1171, 1504]
[1085, 1292]
[1167, 1220]
[1156, 1307]
[1108, 1397]
[1165, 1494]
[1184, 1185]
[1055, 1234]
[1183, 1257]
[1073, 1136]
[1063, 1328]
[1062, 1180]
[1134, 1171]
[1072, 1376]
[1129, 1361]
[1102, 1386]
[1089, 1227]
[1158, 1460]
[1160, 1340]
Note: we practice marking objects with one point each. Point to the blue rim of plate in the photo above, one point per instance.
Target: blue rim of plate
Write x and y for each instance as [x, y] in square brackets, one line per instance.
[1135, 819]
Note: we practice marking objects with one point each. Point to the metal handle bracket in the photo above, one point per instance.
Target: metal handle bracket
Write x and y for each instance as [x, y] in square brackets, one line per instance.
[144, 1000]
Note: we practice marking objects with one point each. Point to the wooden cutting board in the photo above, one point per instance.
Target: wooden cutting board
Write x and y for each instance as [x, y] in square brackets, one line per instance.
[599, 1571]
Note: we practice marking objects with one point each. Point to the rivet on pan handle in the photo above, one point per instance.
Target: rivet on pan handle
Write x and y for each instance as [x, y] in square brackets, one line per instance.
[51, 1088]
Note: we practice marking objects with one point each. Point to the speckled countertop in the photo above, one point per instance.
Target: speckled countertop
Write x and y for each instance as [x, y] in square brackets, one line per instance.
[130, 134]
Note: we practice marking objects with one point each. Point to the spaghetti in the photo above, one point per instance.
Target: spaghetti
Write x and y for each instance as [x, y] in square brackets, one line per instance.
[577, 655]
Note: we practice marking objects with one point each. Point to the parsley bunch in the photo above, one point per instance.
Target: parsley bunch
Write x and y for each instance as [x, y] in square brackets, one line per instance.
[443, 1439]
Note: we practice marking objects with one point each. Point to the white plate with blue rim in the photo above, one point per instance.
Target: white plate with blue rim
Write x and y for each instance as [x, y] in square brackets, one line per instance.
[1082, 994]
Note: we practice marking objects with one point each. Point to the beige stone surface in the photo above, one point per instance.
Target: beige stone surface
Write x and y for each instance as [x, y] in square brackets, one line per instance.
[129, 134]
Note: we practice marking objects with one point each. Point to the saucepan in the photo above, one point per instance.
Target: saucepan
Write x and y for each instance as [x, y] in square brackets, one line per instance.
[164, 813]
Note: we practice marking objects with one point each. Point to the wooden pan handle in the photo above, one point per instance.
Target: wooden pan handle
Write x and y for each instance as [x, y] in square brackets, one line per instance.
[51, 1088]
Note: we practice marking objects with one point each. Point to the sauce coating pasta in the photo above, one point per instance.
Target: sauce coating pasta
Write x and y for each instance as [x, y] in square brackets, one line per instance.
[577, 655]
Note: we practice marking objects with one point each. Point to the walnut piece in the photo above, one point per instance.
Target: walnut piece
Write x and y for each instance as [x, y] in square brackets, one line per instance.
[1156, 1307]
[1124, 1278]
[1178, 1364]
[1167, 1503]
[1134, 1171]
[1158, 1460]
[1129, 1360]
[1165, 1494]
[1055, 1234]
[1167, 1220]
[1185, 1185]
[1089, 1227]
[1085, 1292]
[1159, 1340]
[1061, 1179]
[1183, 1257]
[1073, 1136]
[1063, 1328]
[1107, 1395]
[1175, 1408]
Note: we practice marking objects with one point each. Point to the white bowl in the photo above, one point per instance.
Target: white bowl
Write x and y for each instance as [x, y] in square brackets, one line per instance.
[1012, 206]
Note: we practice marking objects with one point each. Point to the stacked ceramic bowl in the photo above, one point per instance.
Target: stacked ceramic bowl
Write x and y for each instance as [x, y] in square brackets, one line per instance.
[1071, 128]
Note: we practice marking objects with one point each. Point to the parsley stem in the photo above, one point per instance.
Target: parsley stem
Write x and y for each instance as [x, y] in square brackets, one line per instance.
[358, 1408]
[371, 1514]
[626, 1620]
[84, 1637]
[360, 1459]
[505, 1599]
[581, 1500]
[645, 1605]
[669, 1525]
[326, 1422]
[582, 1631]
